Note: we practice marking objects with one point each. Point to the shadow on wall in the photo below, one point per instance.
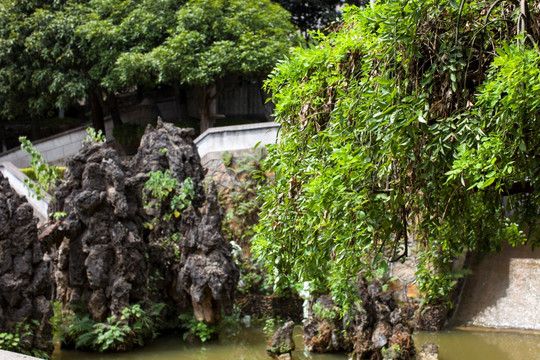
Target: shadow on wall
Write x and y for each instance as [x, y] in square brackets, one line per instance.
[503, 291]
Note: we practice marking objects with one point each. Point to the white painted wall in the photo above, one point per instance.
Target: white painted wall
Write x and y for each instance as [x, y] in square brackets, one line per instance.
[214, 140]
[54, 148]
[237, 137]
[16, 180]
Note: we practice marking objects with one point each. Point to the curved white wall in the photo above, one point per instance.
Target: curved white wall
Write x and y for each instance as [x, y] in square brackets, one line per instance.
[237, 137]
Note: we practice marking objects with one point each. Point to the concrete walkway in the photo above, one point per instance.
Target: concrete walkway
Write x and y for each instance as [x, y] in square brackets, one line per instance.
[8, 355]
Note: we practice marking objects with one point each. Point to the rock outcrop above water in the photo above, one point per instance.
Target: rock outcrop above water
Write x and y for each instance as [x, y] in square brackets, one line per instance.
[281, 345]
[206, 270]
[377, 324]
[25, 273]
[109, 256]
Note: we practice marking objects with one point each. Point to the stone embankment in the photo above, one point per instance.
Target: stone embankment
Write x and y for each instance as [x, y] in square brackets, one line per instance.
[378, 325]
[503, 291]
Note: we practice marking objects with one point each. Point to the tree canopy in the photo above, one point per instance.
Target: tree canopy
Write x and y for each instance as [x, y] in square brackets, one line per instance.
[214, 39]
[414, 120]
[54, 53]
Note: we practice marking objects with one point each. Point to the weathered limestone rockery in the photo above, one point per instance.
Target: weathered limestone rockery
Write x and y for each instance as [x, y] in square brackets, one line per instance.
[377, 324]
[101, 259]
[206, 271]
[25, 273]
[107, 259]
[281, 345]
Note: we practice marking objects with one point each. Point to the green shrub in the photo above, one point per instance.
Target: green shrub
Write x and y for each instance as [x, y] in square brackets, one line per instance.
[45, 175]
[134, 327]
[196, 328]
[32, 175]
[95, 136]
[19, 341]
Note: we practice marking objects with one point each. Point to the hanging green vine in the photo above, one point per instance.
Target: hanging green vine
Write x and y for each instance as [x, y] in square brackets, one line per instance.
[413, 120]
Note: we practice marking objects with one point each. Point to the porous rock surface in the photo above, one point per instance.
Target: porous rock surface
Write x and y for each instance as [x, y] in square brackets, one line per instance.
[281, 345]
[107, 259]
[25, 273]
[377, 324]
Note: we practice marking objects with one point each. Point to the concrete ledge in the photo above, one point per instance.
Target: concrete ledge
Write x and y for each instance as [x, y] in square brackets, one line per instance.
[237, 137]
[8, 355]
[16, 180]
[54, 148]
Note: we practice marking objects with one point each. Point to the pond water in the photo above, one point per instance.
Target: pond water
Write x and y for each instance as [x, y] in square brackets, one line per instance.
[250, 344]
[483, 344]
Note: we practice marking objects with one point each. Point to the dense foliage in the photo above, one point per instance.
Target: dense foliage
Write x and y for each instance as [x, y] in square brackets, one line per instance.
[20, 341]
[136, 326]
[238, 180]
[415, 120]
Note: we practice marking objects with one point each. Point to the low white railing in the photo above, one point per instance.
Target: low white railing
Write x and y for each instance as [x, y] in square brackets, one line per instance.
[16, 180]
[220, 139]
[54, 148]
[237, 137]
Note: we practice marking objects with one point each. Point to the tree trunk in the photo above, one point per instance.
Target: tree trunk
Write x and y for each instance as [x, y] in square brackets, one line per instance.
[35, 128]
[180, 100]
[112, 106]
[3, 136]
[206, 121]
[204, 108]
[97, 112]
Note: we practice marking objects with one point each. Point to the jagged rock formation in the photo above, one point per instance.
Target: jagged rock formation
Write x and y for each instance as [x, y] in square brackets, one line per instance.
[25, 273]
[206, 270]
[281, 345]
[108, 259]
[101, 259]
[379, 323]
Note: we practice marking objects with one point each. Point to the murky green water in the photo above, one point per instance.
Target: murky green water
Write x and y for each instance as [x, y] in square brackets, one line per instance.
[250, 345]
[480, 345]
